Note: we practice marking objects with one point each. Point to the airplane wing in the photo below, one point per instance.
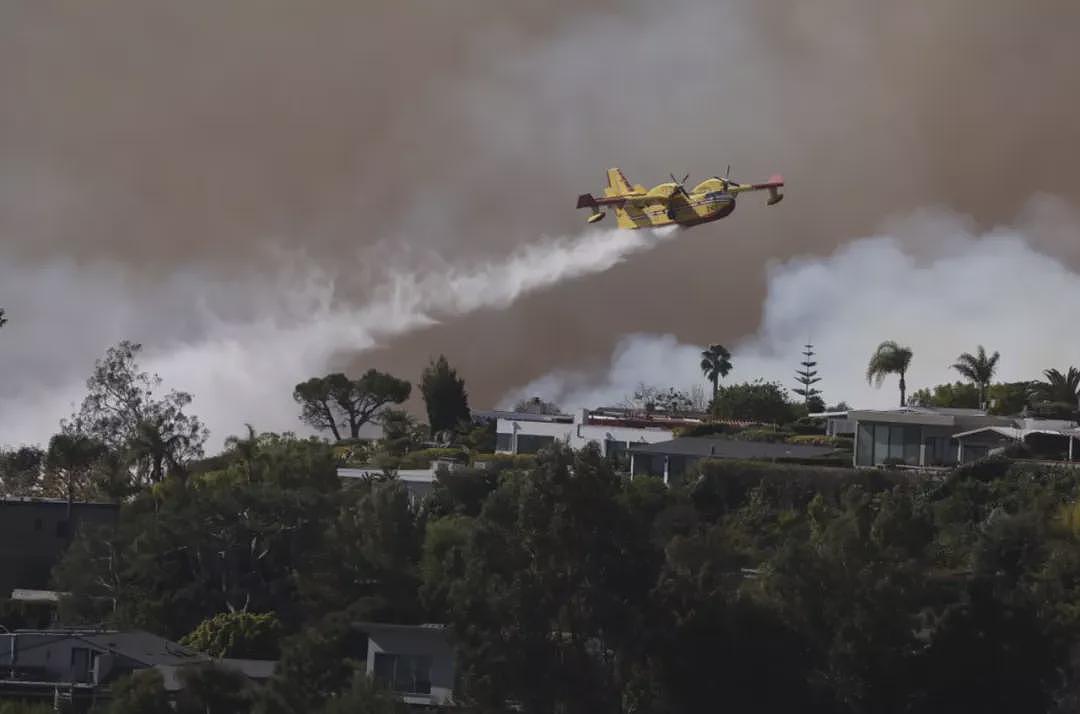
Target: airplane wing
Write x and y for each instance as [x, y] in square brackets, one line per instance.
[587, 200]
[773, 186]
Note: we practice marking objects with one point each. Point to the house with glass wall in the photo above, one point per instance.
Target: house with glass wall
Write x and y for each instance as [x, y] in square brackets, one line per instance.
[917, 436]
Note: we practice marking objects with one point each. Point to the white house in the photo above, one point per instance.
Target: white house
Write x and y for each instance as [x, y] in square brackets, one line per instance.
[414, 661]
[613, 429]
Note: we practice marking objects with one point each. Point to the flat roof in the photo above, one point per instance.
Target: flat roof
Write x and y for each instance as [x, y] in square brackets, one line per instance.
[730, 449]
[526, 416]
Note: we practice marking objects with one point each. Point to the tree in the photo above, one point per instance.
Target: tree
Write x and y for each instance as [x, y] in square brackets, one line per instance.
[1058, 387]
[552, 598]
[979, 369]
[365, 696]
[959, 395]
[211, 689]
[183, 552]
[122, 412]
[245, 635]
[444, 396]
[338, 403]
[1009, 398]
[141, 692]
[21, 471]
[70, 461]
[807, 377]
[889, 358]
[715, 363]
[757, 401]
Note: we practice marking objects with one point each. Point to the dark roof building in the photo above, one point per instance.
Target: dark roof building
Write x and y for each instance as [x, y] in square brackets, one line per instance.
[79, 665]
[35, 533]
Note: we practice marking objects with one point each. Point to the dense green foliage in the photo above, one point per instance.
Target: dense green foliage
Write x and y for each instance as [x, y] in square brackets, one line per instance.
[237, 634]
[444, 396]
[342, 405]
[757, 401]
[956, 395]
[569, 588]
[14, 707]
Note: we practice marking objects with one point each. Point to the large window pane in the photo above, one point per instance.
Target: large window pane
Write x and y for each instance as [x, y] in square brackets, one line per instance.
[865, 446]
[881, 443]
[529, 444]
[504, 442]
[911, 444]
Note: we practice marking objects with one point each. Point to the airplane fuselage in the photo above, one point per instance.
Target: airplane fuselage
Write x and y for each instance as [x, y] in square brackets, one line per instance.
[671, 203]
[709, 201]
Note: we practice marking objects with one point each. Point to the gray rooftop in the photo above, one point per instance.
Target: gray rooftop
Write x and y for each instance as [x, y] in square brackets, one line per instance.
[702, 446]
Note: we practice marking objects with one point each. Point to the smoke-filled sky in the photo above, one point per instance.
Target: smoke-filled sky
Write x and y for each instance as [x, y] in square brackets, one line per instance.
[260, 192]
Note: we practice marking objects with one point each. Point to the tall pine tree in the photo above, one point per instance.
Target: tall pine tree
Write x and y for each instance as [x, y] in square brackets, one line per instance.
[807, 376]
[444, 395]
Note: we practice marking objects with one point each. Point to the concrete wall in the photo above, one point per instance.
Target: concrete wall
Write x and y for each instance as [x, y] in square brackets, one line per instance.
[34, 536]
[579, 434]
[422, 641]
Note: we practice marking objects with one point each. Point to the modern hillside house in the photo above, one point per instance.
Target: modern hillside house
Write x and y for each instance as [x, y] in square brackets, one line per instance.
[938, 437]
[613, 429]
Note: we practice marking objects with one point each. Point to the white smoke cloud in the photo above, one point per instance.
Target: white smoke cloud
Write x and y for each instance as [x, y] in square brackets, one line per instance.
[240, 343]
[929, 281]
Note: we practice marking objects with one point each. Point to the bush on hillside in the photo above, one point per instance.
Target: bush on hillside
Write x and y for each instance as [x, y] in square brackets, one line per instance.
[712, 428]
[770, 435]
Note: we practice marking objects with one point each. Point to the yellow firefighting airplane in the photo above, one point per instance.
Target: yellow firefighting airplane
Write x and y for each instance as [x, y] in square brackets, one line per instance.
[670, 203]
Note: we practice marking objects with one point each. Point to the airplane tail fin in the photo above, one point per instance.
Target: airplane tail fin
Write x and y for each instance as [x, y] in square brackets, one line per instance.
[617, 183]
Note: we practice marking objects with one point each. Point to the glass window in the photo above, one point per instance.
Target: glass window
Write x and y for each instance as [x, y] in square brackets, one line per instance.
[504, 442]
[865, 446]
[529, 444]
[912, 435]
[881, 443]
[409, 674]
[614, 448]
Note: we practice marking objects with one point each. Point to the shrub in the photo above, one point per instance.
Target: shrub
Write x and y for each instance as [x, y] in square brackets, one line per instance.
[707, 429]
[422, 459]
[237, 634]
[757, 401]
[808, 425]
[814, 440]
[985, 469]
[773, 436]
[520, 461]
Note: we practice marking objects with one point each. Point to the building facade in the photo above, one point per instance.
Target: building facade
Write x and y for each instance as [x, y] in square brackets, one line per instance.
[416, 662]
[614, 430]
[35, 533]
[929, 437]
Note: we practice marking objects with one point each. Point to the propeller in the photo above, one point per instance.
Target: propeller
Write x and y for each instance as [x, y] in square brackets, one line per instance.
[727, 177]
[679, 188]
[679, 184]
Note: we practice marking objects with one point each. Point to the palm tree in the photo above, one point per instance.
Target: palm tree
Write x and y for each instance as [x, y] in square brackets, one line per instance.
[246, 449]
[715, 363]
[979, 369]
[1058, 387]
[157, 451]
[889, 358]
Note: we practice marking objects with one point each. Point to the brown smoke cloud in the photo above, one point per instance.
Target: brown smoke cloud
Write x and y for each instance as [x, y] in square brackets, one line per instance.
[208, 137]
